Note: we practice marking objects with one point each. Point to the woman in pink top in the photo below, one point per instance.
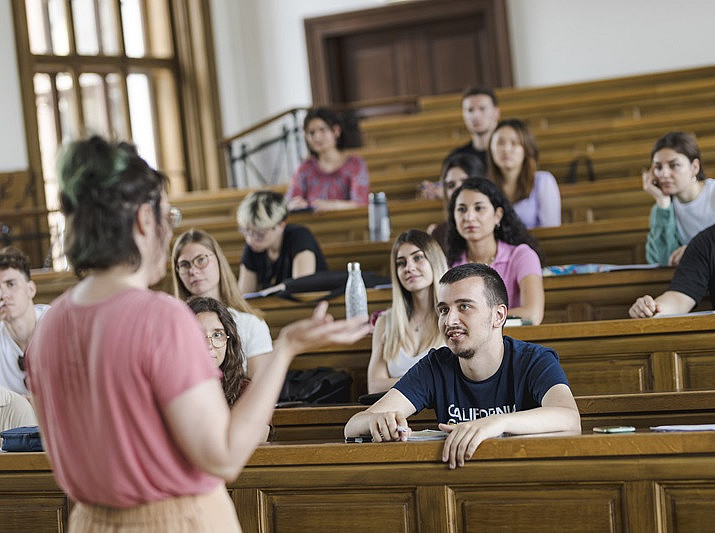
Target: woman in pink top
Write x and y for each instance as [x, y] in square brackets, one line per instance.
[483, 228]
[328, 179]
[132, 413]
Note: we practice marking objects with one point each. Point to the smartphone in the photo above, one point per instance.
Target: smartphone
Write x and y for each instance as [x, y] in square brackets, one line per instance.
[614, 429]
[359, 439]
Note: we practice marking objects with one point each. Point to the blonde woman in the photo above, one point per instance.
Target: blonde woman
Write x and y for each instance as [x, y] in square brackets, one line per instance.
[408, 330]
[201, 269]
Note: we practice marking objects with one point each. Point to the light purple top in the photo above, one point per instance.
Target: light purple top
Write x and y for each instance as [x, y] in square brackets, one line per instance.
[513, 263]
[543, 206]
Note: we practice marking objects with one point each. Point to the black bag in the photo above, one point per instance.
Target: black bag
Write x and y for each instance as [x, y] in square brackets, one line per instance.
[318, 385]
[22, 439]
[573, 169]
[327, 280]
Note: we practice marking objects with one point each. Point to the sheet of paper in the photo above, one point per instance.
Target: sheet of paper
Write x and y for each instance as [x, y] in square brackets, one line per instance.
[428, 434]
[685, 427]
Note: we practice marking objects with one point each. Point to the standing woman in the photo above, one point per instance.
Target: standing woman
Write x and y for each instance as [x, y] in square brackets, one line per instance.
[274, 250]
[534, 194]
[483, 228]
[684, 197]
[132, 414]
[408, 330]
[328, 179]
[201, 269]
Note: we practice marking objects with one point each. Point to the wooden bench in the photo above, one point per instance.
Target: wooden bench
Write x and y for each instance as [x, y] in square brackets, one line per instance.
[643, 410]
[649, 122]
[610, 160]
[570, 298]
[616, 241]
[638, 482]
[599, 357]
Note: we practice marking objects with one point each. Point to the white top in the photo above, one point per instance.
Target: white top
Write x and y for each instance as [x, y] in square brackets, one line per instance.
[11, 376]
[693, 217]
[398, 366]
[254, 333]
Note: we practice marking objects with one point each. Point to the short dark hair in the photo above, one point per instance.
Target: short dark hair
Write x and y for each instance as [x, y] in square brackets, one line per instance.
[683, 143]
[11, 257]
[476, 91]
[102, 185]
[494, 288]
[232, 365]
[330, 118]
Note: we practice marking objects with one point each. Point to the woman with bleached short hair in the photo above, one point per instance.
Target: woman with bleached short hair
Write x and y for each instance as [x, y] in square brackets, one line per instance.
[275, 250]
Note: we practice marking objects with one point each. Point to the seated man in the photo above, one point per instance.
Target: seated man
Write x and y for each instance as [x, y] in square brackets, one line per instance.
[15, 410]
[482, 384]
[18, 316]
[694, 276]
[480, 111]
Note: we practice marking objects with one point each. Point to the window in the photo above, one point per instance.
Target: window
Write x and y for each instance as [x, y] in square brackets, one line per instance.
[112, 67]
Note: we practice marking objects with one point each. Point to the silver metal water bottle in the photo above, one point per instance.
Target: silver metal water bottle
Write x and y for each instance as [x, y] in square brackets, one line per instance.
[355, 293]
[378, 217]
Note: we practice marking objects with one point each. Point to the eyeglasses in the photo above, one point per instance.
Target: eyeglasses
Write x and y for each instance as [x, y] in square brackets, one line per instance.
[200, 262]
[174, 216]
[217, 339]
[256, 234]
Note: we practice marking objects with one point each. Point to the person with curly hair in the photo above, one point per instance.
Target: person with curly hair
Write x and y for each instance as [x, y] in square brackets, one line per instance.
[224, 344]
[484, 228]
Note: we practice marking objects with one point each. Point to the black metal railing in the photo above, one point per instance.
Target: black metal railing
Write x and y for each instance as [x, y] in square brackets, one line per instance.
[268, 152]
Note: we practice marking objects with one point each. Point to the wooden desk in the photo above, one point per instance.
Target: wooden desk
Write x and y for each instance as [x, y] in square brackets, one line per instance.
[587, 483]
[572, 298]
[640, 482]
[640, 410]
[600, 357]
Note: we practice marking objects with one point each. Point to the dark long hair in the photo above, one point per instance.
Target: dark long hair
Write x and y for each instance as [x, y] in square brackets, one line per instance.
[525, 180]
[233, 379]
[510, 230]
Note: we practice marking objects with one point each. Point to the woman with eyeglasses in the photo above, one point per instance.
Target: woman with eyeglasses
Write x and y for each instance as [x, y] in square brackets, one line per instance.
[201, 269]
[274, 250]
[224, 344]
[133, 419]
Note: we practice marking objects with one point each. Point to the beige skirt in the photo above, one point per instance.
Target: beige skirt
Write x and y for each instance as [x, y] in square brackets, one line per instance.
[211, 512]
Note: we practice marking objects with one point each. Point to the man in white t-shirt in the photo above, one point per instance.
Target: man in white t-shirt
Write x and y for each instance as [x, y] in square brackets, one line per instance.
[18, 316]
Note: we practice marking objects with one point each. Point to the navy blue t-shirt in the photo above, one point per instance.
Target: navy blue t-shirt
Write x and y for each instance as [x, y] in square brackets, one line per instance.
[526, 373]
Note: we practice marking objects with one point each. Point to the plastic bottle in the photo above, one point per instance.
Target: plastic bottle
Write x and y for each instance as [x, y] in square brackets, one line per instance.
[355, 293]
[378, 217]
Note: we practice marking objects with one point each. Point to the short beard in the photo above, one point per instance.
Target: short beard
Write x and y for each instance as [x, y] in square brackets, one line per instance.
[465, 354]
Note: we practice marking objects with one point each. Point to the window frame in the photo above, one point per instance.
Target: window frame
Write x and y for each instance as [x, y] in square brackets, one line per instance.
[198, 123]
